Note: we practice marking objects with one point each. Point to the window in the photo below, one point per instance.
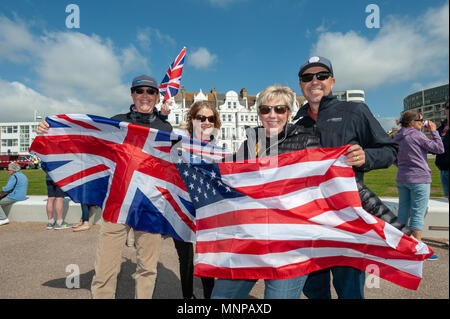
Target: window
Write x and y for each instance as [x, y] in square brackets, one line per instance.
[356, 95]
[9, 142]
[229, 118]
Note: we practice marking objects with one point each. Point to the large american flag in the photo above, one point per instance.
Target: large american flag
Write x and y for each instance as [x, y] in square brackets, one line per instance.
[285, 216]
[126, 169]
[170, 84]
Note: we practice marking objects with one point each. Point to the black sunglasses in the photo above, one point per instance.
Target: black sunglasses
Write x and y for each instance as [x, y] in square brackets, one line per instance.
[419, 120]
[321, 76]
[203, 118]
[279, 109]
[149, 91]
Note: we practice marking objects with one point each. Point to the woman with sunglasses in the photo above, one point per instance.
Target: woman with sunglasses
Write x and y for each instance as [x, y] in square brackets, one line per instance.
[274, 105]
[277, 136]
[203, 123]
[414, 174]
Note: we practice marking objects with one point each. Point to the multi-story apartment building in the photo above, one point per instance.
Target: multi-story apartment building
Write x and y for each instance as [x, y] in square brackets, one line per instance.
[350, 95]
[429, 102]
[16, 137]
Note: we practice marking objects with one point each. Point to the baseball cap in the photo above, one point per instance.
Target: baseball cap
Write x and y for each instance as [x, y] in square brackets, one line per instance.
[316, 61]
[144, 80]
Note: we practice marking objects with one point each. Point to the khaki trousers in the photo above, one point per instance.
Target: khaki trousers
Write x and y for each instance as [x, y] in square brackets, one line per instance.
[109, 259]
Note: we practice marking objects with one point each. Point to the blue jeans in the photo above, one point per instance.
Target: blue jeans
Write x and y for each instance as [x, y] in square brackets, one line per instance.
[347, 281]
[413, 203]
[274, 288]
[444, 182]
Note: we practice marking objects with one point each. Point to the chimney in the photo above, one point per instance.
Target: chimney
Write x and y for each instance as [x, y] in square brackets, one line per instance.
[244, 93]
[214, 94]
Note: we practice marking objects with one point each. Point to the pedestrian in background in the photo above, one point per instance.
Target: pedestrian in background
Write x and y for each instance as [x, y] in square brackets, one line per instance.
[14, 190]
[55, 202]
[84, 224]
[414, 174]
[442, 160]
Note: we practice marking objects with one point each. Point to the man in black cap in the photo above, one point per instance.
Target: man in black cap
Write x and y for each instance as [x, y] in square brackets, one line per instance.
[340, 123]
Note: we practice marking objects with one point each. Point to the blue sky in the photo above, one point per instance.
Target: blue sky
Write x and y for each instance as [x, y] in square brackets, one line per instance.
[231, 44]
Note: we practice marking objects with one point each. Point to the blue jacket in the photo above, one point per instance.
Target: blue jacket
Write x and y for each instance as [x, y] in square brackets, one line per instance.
[20, 190]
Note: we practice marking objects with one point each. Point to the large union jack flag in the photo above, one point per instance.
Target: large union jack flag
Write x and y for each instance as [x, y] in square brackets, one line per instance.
[285, 216]
[170, 84]
[126, 169]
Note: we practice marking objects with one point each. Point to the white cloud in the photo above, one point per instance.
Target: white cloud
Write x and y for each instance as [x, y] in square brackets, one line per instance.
[402, 49]
[18, 103]
[16, 43]
[76, 73]
[202, 58]
[145, 37]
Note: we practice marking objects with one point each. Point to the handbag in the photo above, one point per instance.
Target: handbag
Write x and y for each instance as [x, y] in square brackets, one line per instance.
[3, 194]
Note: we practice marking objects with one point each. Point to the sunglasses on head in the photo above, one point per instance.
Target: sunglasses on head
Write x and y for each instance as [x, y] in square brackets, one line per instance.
[149, 91]
[203, 118]
[279, 109]
[321, 76]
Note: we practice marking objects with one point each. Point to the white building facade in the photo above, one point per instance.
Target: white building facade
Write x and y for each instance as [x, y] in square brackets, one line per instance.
[237, 111]
[16, 137]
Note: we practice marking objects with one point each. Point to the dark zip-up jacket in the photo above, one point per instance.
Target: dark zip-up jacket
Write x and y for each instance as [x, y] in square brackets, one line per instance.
[339, 123]
[442, 160]
[294, 138]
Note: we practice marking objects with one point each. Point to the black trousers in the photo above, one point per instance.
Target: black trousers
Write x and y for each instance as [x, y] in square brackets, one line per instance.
[186, 259]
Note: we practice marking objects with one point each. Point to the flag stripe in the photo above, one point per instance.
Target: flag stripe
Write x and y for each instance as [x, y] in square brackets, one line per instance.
[286, 181]
[304, 157]
[263, 247]
[82, 174]
[387, 272]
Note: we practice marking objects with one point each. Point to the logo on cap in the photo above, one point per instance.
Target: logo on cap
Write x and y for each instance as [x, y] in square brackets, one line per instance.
[314, 59]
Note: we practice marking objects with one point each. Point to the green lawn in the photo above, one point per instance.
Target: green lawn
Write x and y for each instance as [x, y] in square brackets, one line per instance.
[381, 181]
[36, 181]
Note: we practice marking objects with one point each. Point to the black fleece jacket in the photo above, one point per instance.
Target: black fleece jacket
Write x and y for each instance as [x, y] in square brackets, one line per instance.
[340, 123]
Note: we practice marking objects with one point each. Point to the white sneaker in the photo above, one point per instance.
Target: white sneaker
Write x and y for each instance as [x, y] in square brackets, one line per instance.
[4, 221]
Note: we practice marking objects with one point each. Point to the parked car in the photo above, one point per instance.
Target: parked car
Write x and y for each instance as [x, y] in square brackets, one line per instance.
[23, 160]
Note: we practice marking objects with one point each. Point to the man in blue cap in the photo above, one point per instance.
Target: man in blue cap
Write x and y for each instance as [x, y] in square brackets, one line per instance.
[340, 123]
[145, 95]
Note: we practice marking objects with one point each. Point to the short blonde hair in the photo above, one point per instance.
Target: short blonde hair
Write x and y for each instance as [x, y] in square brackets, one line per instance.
[277, 91]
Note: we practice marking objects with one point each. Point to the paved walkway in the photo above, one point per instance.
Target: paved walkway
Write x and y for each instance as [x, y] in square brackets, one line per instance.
[34, 261]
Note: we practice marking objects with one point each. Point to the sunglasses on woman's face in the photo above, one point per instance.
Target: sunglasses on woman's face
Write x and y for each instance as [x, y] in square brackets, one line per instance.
[203, 118]
[279, 109]
[149, 91]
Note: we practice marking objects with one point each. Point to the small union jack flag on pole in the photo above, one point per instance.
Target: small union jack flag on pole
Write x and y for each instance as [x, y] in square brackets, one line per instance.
[171, 82]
